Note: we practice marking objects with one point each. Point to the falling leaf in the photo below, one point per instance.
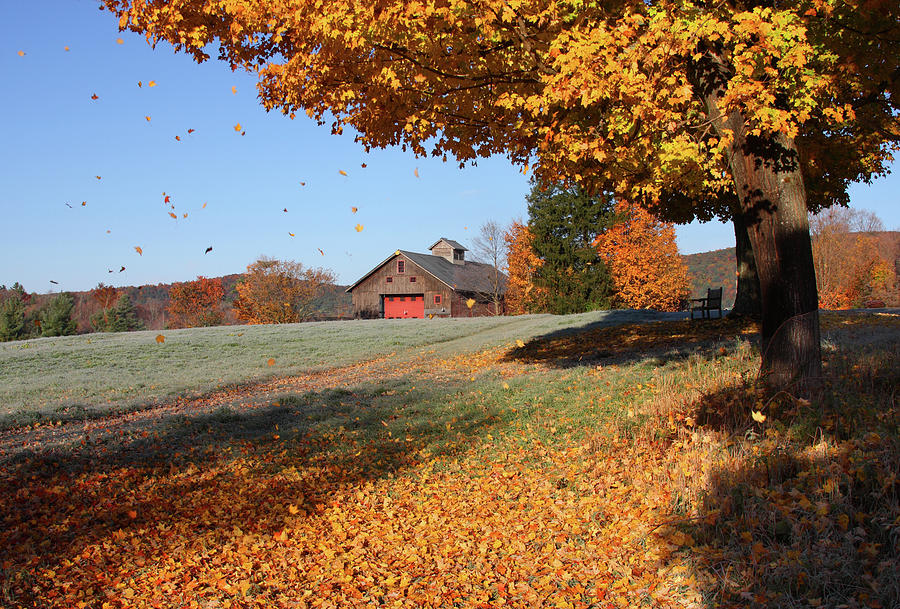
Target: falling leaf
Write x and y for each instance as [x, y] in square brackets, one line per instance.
[363, 165]
[84, 203]
[148, 118]
[119, 41]
[302, 183]
[520, 343]
[69, 206]
[758, 416]
[271, 361]
[208, 250]
[470, 303]
[243, 133]
[292, 234]
[354, 210]
[416, 172]
[177, 138]
[166, 198]
[359, 228]
[320, 251]
[160, 338]
[342, 172]
[98, 177]
[65, 48]
[190, 131]
[284, 210]
[138, 249]
[173, 215]
[108, 231]
[465, 228]
[184, 215]
[237, 127]
[121, 269]
[152, 83]
[95, 96]
[203, 206]
[140, 84]
[54, 282]
[234, 90]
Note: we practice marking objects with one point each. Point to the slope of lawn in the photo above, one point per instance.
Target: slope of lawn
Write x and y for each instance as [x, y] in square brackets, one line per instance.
[84, 376]
[634, 465]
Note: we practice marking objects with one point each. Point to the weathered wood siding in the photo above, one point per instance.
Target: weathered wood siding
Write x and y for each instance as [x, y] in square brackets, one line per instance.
[368, 295]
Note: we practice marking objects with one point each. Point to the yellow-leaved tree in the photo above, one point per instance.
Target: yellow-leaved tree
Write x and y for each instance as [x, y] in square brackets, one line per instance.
[522, 296]
[753, 112]
[642, 255]
[279, 291]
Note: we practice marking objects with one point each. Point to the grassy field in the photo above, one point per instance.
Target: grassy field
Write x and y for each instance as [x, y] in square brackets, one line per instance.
[73, 377]
[599, 463]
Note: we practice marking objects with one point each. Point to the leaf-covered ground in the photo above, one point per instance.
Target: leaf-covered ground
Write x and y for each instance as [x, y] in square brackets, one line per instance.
[606, 467]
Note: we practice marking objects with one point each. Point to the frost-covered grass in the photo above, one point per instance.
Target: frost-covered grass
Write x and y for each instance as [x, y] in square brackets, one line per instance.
[89, 375]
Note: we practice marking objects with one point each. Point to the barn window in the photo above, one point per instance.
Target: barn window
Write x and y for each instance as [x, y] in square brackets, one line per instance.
[412, 279]
[437, 299]
[401, 266]
[389, 279]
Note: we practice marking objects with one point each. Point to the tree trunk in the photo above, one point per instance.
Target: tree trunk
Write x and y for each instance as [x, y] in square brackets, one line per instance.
[747, 300]
[766, 172]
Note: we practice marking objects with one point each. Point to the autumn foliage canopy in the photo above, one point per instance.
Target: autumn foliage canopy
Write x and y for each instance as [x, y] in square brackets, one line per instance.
[279, 291]
[642, 255]
[196, 303]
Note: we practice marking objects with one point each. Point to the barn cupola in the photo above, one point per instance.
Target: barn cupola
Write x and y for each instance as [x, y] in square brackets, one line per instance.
[449, 249]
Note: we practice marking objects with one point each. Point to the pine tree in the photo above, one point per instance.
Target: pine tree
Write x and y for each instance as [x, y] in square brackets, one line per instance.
[56, 319]
[12, 319]
[564, 221]
[123, 317]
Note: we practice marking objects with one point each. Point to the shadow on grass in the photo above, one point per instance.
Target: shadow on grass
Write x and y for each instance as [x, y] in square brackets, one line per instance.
[612, 342]
[804, 511]
[85, 512]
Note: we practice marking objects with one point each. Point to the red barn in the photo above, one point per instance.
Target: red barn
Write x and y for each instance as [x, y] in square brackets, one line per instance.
[440, 284]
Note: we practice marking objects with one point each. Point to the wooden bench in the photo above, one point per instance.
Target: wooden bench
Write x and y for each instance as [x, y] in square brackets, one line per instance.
[712, 302]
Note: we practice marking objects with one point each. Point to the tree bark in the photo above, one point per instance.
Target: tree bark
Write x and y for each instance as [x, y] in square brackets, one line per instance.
[766, 172]
[747, 300]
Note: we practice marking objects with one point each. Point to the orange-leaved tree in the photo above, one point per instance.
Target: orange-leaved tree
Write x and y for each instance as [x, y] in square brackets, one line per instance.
[279, 291]
[642, 255]
[761, 111]
[850, 269]
[196, 303]
[522, 296]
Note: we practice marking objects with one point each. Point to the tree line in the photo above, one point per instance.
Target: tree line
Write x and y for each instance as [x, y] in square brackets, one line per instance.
[271, 291]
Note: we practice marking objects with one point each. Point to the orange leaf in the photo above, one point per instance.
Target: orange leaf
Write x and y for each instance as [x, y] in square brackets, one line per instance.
[237, 127]
[271, 361]
[119, 41]
[152, 83]
[95, 96]
[173, 215]
[353, 210]
[359, 228]
[470, 303]
[21, 53]
[204, 205]
[177, 138]
[416, 172]
[148, 118]
[292, 234]
[138, 249]
[234, 90]
[342, 172]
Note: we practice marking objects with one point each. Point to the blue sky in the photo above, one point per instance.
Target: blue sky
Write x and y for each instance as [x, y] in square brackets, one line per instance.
[57, 140]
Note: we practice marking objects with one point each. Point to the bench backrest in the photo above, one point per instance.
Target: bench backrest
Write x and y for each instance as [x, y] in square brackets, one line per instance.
[714, 297]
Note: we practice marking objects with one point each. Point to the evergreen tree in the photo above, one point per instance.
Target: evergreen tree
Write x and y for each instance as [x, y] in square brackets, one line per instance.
[56, 319]
[123, 317]
[12, 319]
[564, 221]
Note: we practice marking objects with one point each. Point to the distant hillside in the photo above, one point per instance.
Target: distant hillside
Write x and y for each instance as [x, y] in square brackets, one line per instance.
[711, 270]
[717, 268]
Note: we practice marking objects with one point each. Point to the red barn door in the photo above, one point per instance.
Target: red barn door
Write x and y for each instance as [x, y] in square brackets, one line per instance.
[404, 306]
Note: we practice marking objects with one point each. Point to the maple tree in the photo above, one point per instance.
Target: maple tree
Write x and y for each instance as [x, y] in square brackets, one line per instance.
[522, 296]
[196, 303]
[714, 101]
[647, 270]
[279, 291]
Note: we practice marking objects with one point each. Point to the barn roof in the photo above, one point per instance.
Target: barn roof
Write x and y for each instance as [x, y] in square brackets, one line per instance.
[454, 244]
[468, 277]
